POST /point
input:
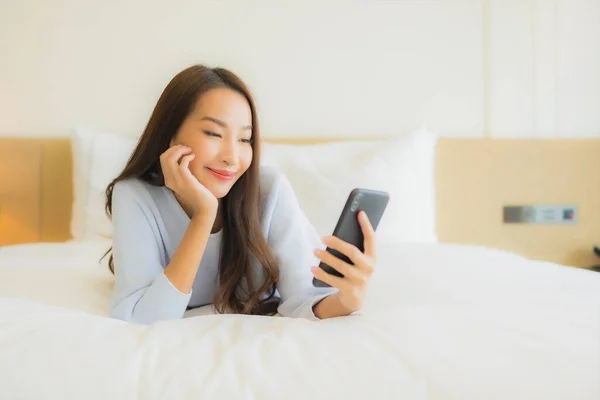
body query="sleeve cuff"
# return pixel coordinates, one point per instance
(169, 302)
(169, 283)
(304, 310)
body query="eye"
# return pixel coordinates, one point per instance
(209, 133)
(246, 140)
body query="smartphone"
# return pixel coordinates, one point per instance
(373, 203)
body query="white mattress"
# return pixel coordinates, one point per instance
(440, 322)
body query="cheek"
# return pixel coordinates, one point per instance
(246, 159)
(195, 166)
(205, 150)
(202, 154)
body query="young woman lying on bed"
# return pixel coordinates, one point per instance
(197, 220)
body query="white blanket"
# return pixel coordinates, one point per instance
(440, 322)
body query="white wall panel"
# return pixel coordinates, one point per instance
(578, 68)
(511, 63)
(505, 68)
(334, 68)
(544, 68)
(545, 63)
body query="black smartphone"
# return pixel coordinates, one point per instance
(373, 203)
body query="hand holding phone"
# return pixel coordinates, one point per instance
(349, 250)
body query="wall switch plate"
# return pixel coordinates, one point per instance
(541, 214)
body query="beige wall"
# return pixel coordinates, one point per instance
(477, 178)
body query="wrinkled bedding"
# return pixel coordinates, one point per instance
(441, 321)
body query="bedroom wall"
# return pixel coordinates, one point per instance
(334, 68)
(501, 68)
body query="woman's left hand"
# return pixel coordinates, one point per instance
(353, 286)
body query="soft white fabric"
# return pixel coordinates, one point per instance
(442, 322)
(68, 275)
(98, 157)
(323, 175)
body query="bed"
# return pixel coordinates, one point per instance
(441, 321)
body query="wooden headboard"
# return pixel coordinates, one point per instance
(475, 178)
(35, 190)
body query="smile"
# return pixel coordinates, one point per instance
(222, 175)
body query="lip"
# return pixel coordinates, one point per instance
(222, 174)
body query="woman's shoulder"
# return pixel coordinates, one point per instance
(129, 187)
(135, 189)
(272, 181)
(276, 191)
(268, 175)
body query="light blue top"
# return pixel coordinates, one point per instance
(149, 224)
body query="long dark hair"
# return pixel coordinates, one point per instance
(243, 243)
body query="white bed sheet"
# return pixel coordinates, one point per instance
(441, 322)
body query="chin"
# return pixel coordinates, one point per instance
(220, 194)
(219, 191)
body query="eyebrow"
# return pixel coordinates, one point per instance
(223, 124)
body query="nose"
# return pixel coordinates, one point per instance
(229, 151)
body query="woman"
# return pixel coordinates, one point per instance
(197, 220)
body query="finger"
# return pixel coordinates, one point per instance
(184, 171)
(173, 162)
(167, 153)
(173, 155)
(185, 161)
(347, 249)
(331, 280)
(349, 271)
(169, 161)
(368, 233)
(175, 158)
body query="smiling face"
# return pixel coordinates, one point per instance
(219, 132)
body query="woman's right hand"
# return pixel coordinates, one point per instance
(178, 177)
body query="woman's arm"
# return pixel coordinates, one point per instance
(299, 251)
(293, 239)
(145, 291)
(183, 267)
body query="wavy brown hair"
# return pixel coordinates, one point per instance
(243, 243)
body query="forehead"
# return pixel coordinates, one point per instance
(223, 103)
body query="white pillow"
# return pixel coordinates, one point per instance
(323, 175)
(98, 158)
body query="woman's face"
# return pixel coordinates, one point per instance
(219, 132)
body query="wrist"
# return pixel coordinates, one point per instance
(341, 305)
(204, 217)
(331, 306)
